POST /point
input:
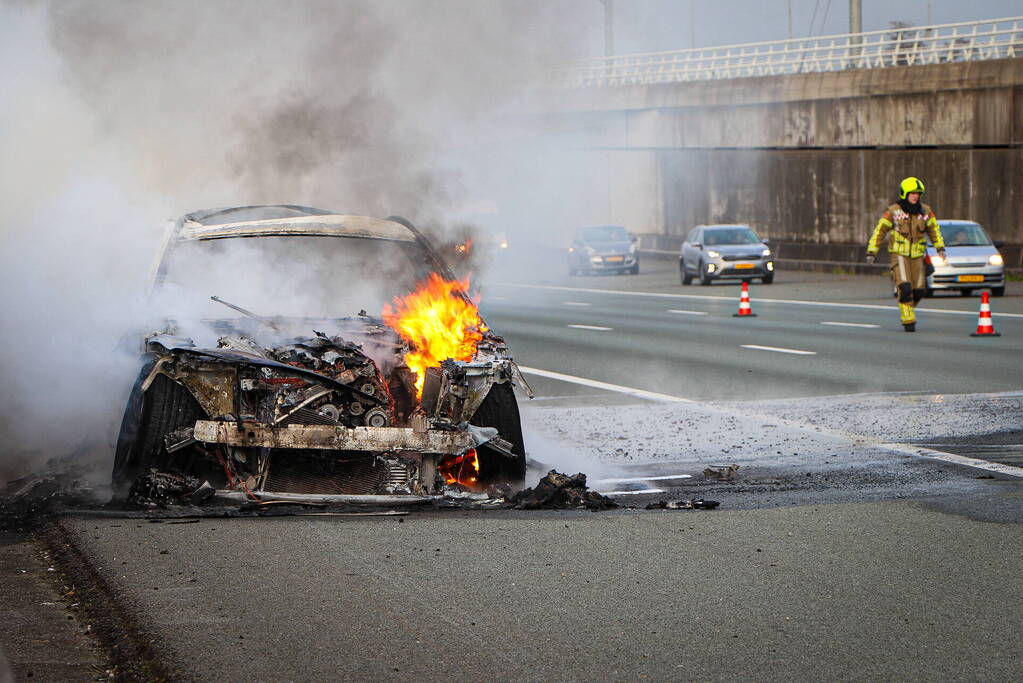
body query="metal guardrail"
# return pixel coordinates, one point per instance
(897, 46)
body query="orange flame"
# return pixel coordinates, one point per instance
(438, 322)
(462, 469)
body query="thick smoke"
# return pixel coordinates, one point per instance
(118, 116)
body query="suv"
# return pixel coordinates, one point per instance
(971, 260)
(298, 400)
(718, 252)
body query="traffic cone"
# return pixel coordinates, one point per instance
(744, 307)
(985, 328)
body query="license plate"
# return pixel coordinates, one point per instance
(970, 278)
(614, 259)
(743, 266)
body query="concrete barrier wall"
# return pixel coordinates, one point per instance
(815, 157)
(836, 196)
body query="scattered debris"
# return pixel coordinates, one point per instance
(561, 491)
(724, 473)
(696, 504)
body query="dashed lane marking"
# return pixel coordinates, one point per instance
(631, 493)
(683, 312)
(625, 480)
(630, 391)
(708, 297)
(837, 324)
(929, 454)
(776, 349)
(598, 328)
(576, 303)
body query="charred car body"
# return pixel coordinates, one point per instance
(314, 407)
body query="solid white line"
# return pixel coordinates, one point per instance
(976, 463)
(622, 480)
(796, 352)
(638, 393)
(631, 493)
(591, 327)
(706, 297)
(676, 310)
(576, 303)
(850, 324)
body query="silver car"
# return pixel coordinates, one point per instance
(719, 252)
(971, 260)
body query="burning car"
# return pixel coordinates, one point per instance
(297, 401)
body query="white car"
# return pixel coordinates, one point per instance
(971, 260)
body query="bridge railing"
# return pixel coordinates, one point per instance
(897, 46)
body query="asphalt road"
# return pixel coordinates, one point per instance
(824, 334)
(840, 550)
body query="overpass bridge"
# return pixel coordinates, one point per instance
(807, 139)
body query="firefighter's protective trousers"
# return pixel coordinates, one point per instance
(906, 239)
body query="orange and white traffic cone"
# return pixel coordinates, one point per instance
(985, 328)
(744, 307)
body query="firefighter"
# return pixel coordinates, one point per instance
(906, 223)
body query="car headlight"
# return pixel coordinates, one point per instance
(713, 254)
(937, 260)
(504, 244)
(996, 260)
(765, 252)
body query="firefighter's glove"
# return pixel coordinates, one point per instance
(870, 259)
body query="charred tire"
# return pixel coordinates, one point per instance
(768, 279)
(166, 406)
(500, 409)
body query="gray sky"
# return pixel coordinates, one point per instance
(654, 25)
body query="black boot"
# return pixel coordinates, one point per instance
(909, 327)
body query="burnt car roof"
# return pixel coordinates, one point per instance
(289, 220)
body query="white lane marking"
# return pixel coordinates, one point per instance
(623, 480)
(631, 493)
(776, 349)
(576, 303)
(682, 312)
(868, 325)
(638, 393)
(591, 327)
(927, 453)
(728, 299)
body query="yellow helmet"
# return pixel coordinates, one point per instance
(908, 185)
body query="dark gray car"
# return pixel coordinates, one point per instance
(603, 249)
(719, 252)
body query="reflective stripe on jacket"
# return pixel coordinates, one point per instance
(906, 233)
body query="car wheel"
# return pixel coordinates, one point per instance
(705, 278)
(768, 279)
(634, 270)
(166, 406)
(687, 279)
(500, 409)
(998, 291)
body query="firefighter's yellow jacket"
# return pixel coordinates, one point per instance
(906, 232)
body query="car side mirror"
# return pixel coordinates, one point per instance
(999, 244)
(766, 241)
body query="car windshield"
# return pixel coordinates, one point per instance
(604, 233)
(964, 235)
(291, 276)
(723, 236)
